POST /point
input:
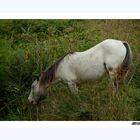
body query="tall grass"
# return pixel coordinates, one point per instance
(27, 47)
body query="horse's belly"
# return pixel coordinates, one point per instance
(91, 74)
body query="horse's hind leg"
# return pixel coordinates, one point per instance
(116, 86)
(114, 80)
(113, 77)
(73, 88)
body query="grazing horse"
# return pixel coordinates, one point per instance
(111, 56)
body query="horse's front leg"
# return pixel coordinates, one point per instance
(73, 88)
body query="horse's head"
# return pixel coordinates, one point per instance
(36, 92)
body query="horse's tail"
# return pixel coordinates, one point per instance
(128, 57)
(127, 60)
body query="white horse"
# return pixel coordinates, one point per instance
(111, 56)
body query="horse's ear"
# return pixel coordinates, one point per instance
(37, 78)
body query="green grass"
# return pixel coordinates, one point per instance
(27, 47)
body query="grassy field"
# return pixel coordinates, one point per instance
(27, 47)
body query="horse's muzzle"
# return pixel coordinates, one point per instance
(32, 101)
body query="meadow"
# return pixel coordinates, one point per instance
(27, 47)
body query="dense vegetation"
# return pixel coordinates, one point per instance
(29, 46)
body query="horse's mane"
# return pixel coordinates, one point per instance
(49, 74)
